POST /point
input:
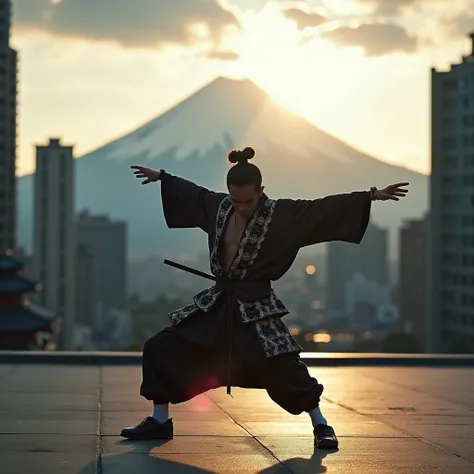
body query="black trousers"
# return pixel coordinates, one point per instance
(183, 361)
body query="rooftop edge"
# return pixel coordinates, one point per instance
(319, 359)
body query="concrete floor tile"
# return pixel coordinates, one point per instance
(49, 422)
(47, 443)
(212, 445)
(13, 400)
(463, 447)
(51, 463)
(432, 426)
(360, 428)
(195, 464)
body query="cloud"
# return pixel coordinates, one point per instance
(376, 39)
(461, 22)
(393, 6)
(304, 19)
(223, 55)
(130, 23)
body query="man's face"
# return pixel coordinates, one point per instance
(245, 199)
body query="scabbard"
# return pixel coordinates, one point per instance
(189, 270)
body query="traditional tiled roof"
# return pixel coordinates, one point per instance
(11, 283)
(25, 319)
(9, 263)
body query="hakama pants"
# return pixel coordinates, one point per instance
(185, 360)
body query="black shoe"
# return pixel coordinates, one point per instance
(149, 428)
(325, 437)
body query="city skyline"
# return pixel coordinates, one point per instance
(69, 67)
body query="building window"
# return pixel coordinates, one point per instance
(449, 143)
(449, 103)
(451, 161)
(450, 85)
(468, 161)
(468, 121)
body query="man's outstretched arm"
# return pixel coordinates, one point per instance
(342, 217)
(185, 204)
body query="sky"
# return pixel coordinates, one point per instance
(92, 70)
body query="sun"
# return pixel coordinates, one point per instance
(303, 75)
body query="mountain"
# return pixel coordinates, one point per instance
(192, 140)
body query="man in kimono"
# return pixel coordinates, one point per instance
(232, 333)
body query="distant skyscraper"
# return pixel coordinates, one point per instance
(54, 238)
(8, 104)
(107, 240)
(86, 286)
(413, 279)
(451, 304)
(369, 258)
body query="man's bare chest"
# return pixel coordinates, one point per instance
(233, 233)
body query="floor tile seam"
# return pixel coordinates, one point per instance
(99, 446)
(8, 372)
(42, 433)
(369, 416)
(423, 440)
(272, 454)
(449, 451)
(399, 385)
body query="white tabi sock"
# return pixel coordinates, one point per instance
(161, 412)
(317, 418)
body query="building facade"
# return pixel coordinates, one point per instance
(413, 279)
(54, 238)
(451, 302)
(86, 287)
(344, 260)
(8, 110)
(107, 241)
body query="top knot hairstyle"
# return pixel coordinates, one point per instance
(243, 173)
(241, 156)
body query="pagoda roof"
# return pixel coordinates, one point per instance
(28, 318)
(8, 263)
(11, 283)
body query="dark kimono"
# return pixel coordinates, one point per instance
(269, 245)
(241, 310)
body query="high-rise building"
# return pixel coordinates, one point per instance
(86, 287)
(451, 304)
(413, 279)
(8, 106)
(369, 258)
(54, 239)
(107, 241)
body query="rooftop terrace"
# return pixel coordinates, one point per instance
(63, 416)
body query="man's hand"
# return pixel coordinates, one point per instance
(151, 175)
(392, 192)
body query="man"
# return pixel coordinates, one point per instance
(232, 334)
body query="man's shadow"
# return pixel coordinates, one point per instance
(140, 459)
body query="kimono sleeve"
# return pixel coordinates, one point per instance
(186, 204)
(342, 217)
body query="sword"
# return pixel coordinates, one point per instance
(190, 270)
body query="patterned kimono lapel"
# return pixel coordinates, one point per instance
(251, 241)
(223, 214)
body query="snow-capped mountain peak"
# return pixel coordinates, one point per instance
(227, 114)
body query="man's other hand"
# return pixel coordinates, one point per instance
(151, 175)
(392, 192)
